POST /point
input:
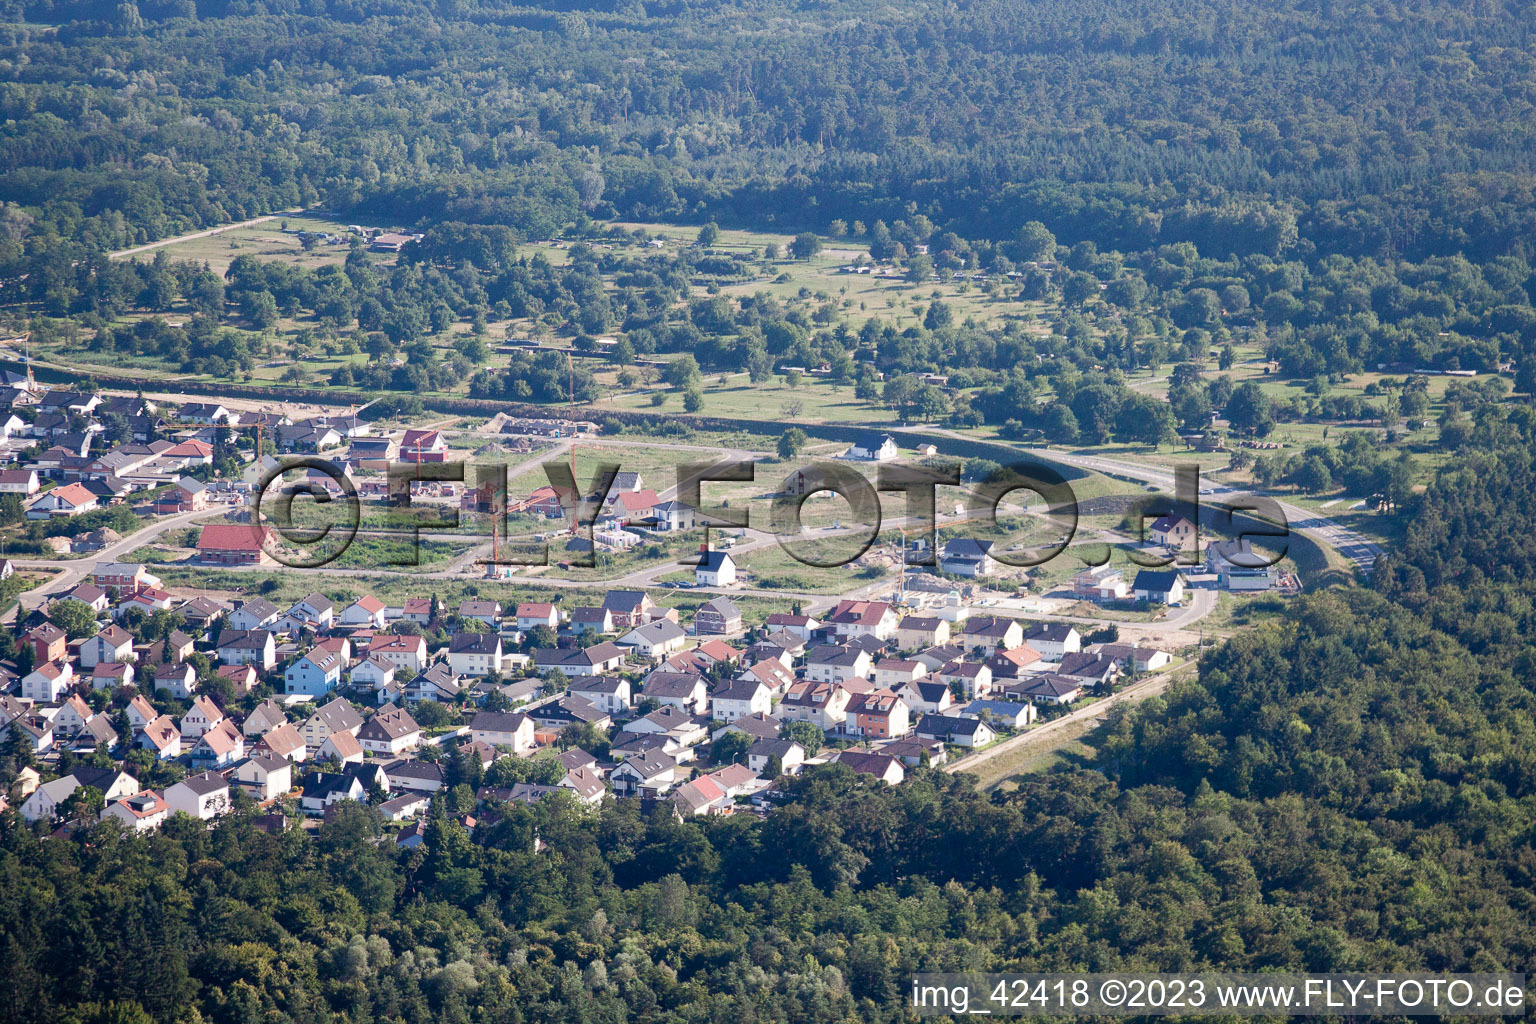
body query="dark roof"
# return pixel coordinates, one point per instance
(1158, 580)
(475, 643)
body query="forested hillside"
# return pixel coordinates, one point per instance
(1351, 127)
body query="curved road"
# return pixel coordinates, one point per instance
(1326, 531)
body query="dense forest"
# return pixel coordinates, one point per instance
(1348, 127)
(1347, 184)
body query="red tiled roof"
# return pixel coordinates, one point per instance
(232, 537)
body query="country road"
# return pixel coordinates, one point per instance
(189, 237)
(1044, 735)
(1321, 528)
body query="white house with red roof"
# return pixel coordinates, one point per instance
(70, 500)
(365, 611)
(532, 614)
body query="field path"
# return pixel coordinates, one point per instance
(196, 234)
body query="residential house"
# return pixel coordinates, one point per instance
(1175, 533)
(486, 612)
(44, 802)
(109, 675)
(568, 710)
(112, 644)
(1008, 714)
(677, 689)
(964, 556)
(19, 481)
(931, 697)
(241, 677)
(69, 500)
(511, 730)
(840, 664)
(699, 796)
(886, 768)
(254, 647)
(416, 776)
(408, 653)
(599, 659)
(340, 748)
(314, 674)
(893, 673)
(915, 750)
(880, 714)
(203, 715)
(48, 642)
(918, 631)
(740, 698)
(672, 516)
(72, 716)
(1013, 662)
(140, 712)
(715, 569)
(122, 579)
(1103, 584)
(596, 620)
(147, 601)
(1053, 639)
(607, 693)
(186, 494)
(204, 796)
(220, 746)
(315, 612)
(141, 812)
(532, 614)
(423, 446)
(863, 618)
(283, 741)
(1052, 689)
(655, 640)
(761, 754)
(475, 654)
(955, 730)
(267, 715)
(406, 805)
(366, 611)
(323, 789)
(372, 672)
(437, 682)
(801, 626)
(233, 544)
(652, 771)
(717, 616)
(823, 704)
(206, 414)
(257, 613)
(990, 631)
(974, 679)
(161, 738)
(629, 608)
(873, 447)
(391, 731)
(1237, 566)
(48, 682)
(1094, 669)
(417, 610)
(336, 716)
(266, 777)
(1159, 586)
